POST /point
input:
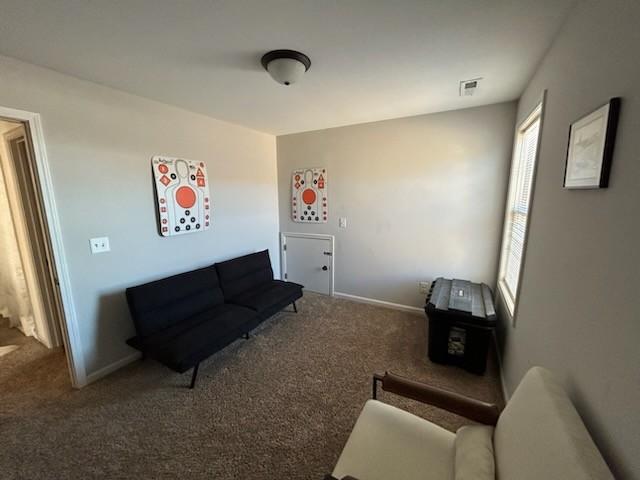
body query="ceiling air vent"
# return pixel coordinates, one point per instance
(469, 87)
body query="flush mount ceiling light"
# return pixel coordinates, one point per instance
(285, 66)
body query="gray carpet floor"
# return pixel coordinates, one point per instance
(279, 405)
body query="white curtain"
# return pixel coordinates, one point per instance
(14, 295)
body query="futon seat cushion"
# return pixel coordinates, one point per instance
(390, 444)
(194, 339)
(263, 297)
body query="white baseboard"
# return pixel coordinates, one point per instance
(380, 303)
(112, 367)
(503, 384)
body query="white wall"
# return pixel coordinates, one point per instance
(99, 143)
(423, 197)
(579, 312)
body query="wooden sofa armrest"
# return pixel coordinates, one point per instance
(468, 407)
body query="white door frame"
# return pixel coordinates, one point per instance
(69, 324)
(283, 252)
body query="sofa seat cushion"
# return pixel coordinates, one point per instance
(540, 435)
(389, 443)
(185, 344)
(274, 292)
(474, 453)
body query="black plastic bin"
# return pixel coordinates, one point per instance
(462, 318)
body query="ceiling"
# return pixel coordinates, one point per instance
(371, 59)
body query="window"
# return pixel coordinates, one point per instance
(518, 206)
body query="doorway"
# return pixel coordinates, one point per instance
(307, 259)
(16, 310)
(32, 314)
(27, 296)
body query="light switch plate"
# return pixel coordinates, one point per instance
(342, 222)
(99, 245)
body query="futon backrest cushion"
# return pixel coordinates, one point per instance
(540, 435)
(158, 305)
(243, 274)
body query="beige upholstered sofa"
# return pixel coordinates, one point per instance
(538, 436)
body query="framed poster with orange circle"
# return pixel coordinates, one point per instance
(309, 199)
(182, 193)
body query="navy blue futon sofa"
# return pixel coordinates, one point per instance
(184, 319)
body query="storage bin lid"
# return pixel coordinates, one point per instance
(470, 301)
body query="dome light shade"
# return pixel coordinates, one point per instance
(286, 66)
(285, 70)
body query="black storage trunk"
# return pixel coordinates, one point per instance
(462, 318)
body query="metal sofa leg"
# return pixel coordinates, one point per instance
(193, 377)
(376, 378)
(295, 309)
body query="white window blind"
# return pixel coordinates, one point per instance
(520, 188)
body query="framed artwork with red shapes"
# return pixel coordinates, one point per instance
(309, 202)
(182, 194)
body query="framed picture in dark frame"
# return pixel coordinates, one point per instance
(590, 150)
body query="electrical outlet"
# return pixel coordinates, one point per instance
(342, 222)
(424, 287)
(99, 245)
